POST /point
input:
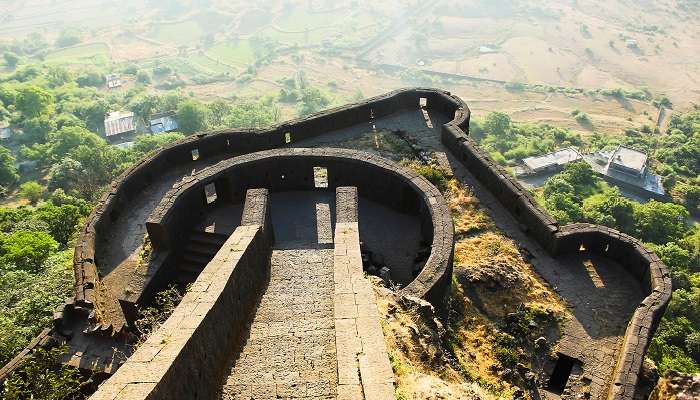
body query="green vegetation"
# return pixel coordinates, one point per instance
(582, 118)
(239, 53)
(436, 175)
(642, 94)
(152, 317)
(88, 54)
(29, 296)
(507, 142)
(44, 379)
(577, 195)
(67, 164)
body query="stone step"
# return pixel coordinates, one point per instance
(190, 267)
(209, 249)
(197, 258)
(208, 238)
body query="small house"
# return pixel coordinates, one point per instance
(120, 125)
(163, 123)
(628, 161)
(113, 81)
(5, 130)
(551, 162)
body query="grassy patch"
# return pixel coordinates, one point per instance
(300, 20)
(436, 175)
(208, 66)
(238, 53)
(467, 216)
(90, 54)
(181, 33)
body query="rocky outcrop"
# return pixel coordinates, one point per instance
(676, 386)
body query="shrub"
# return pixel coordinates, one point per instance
(27, 249)
(437, 176)
(42, 377)
(31, 191)
(152, 317)
(515, 86)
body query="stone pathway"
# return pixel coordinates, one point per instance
(291, 350)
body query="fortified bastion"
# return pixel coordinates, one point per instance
(269, 231)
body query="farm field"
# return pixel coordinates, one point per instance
(89, 54)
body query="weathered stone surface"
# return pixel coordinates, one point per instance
(363, 362)
(185, 356)
(116, 213)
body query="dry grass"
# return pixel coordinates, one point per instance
(466, 213)
(417, 357)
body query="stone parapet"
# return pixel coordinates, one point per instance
(364, 370)
(186, 356)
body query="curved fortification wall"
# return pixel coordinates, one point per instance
(535, 221)
(293, 169)
(557, 240)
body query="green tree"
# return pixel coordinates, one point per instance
(62, 220)
(27, 250)
(33, 101)
(90, 79)
(660, 223)
(191, 116)
(691, 197)
(498, 124)
(43, 377)
(564, 208)
(32, 191)
(87, 168)
(692, 345)
(581, 177)
(66, 139)
(611, 209)
(145, 105)
(68, 38)
(312, 100)
(58, 76)
(36, 130)
(143, 77)
(11, 59)
(252, 115)
(147, 143)
(8, 170)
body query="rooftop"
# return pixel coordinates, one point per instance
(118, 122)
(165, 123)
(557, 158)
(629, 158)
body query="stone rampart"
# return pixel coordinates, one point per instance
(627, 251)
(293, 169)
(431, 283)
(227, 143)
(186, 356)
(364, 369)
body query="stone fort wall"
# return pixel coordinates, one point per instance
(556, 239)
(293, 169)
(186, 357)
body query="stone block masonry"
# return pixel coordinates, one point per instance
(364, 370)
(184, 358)
(112, 214)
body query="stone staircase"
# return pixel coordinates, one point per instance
(198, 252)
